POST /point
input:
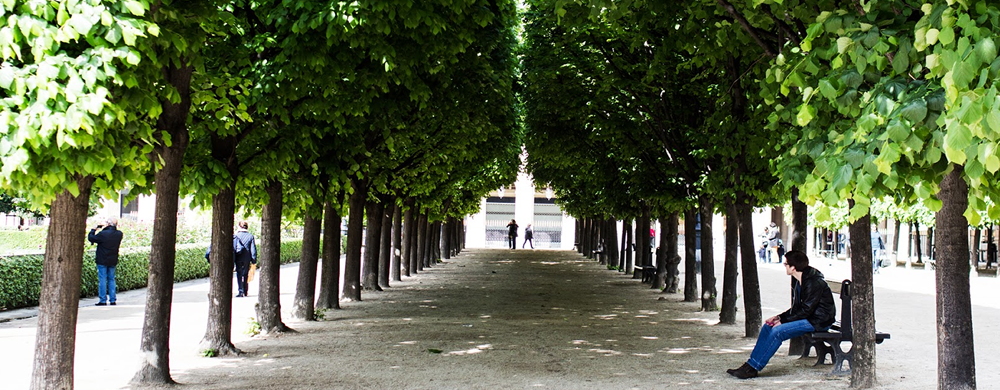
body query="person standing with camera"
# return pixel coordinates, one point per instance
(108, 240)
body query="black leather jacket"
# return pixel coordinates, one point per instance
(812, 300)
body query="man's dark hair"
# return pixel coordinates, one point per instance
(797, 259)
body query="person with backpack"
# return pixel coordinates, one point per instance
(244, 256)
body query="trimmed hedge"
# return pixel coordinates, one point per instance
(21, 276)
(27, 240)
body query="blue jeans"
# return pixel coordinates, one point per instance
(770, 339)
(106, 283)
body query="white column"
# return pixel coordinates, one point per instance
(475, 228)
(568, 232)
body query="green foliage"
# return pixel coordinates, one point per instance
(319, 314)
(64, 63)
(20, 276)
(18, 206)
(210, 352)
(253, 327)
(900, 95)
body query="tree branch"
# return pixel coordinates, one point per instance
(747, 27)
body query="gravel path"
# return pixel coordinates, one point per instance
(501, 319)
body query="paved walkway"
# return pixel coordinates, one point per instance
(536, 287)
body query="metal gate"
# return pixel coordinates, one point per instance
(499, 212)
(547, 224)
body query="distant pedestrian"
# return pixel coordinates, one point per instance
(512, 234)
(244, 256)
(877, 248)
(529, 235)
(772, 241)
(108, 241)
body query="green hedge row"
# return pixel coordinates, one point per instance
(13, 240)
(21, 276)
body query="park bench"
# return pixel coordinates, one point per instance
(829, 342)
(648, 273)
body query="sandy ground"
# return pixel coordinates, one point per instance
(501, 319)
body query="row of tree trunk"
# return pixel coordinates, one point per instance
(601, 233)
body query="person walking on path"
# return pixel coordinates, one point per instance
(528, 237)
(108, 241)
(772, 241)
(877, 248)
(512, 234)
(812, 310)
(244, 254)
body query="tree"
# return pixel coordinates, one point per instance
(176, 53)
(69, 132)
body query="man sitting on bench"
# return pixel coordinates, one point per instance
(812, 310)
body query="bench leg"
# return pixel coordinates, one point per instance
(839, 358)
(822, 351)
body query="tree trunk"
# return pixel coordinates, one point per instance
(895, 239)
(415, 260)
(422, 242)
(446, 239)
(599, 239)
(930, 242)
(977, 237)
(836, 243)
(642, 243)
(154, 368)
(751, 283)
(659, 281)
(406, 238)
(269, 307)
(916, 242)
(862, 304)
(355, 228)
(55, 340)
(671, 235)
(629, 247)
(708, 289)
(435, 242)
(373, 237)
(611, 243)
(305, 286)
(385, 250)
(730, 271)
(461, 234)
(329, 280)
(690, 261)
(415, 245)
(800, 224)
(800, 215)
(218, 334)
(397, 239)
(956, 352)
